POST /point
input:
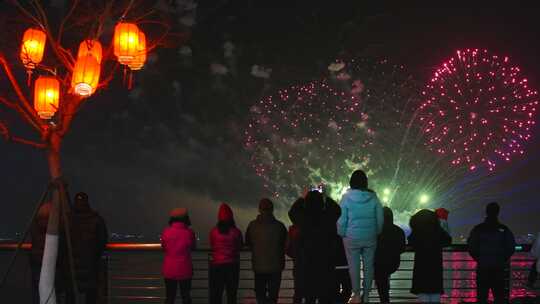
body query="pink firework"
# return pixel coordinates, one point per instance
(478, 110)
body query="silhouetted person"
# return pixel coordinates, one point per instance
(535, 253)
(427, 239)
(89, 238)
(360, 222)
(291, 249)
(266, 236)
(316, 218)
(178, 241)
(390, 245)
(225, 243)
(491, 245)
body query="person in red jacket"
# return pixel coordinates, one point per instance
(177, 241)
(225, 243)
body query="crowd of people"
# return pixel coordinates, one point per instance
(337, 250)
(330, 244)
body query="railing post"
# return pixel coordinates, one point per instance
(507, 281)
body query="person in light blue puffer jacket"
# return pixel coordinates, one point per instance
(361, 221)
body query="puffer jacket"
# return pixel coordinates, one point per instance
(177, 241)
(89, 239)
(225, 247)
(491, 244)
(361, 216)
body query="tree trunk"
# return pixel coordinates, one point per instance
(47, 293)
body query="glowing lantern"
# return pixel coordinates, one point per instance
(46, 96)
(85, 77)
(140, 58)
(90, 47)
(32, 48)
(126, 42)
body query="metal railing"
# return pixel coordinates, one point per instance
(133, 275)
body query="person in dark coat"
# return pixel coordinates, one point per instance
(88, 238)
(427, 239)
(491, 245)
(266, 236)
(316, 255)
(291, 249)
(390, 245)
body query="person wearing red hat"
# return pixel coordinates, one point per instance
(225, 243)
(442, 214)
(177, 241)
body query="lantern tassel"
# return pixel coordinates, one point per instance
(124, 76)
(130, 80)
(29, 77)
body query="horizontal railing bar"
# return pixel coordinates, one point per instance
(8, 246)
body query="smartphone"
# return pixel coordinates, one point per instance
(317, 188)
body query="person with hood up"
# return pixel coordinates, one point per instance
(360, 223)
(89, 239)
(316, 218)
(390, 245)
(491, 245)
(427, 240)
(225, 243)
(177, 241)
(266, 236)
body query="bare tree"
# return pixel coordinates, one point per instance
(82, 20)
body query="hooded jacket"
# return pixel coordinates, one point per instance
(491, 244)
(225, 245)
(361, 216)
(390, 245)
(177, 241)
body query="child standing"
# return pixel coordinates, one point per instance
(390, 245)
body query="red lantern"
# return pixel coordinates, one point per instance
(140, 58)
(90, 47)
(85, 76)
(46, 96)
(32, 47)
(126, 42)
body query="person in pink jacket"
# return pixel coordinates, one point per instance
(225, 243)
(177, 241)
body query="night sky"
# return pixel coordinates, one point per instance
(175, 139)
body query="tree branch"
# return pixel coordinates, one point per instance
(68, 112)
(23, 141)
(27, 13)
(68, 64)
(23, 106)
(66, 18)
(4, 132)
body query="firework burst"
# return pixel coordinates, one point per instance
(362, 116)
(478, 110)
